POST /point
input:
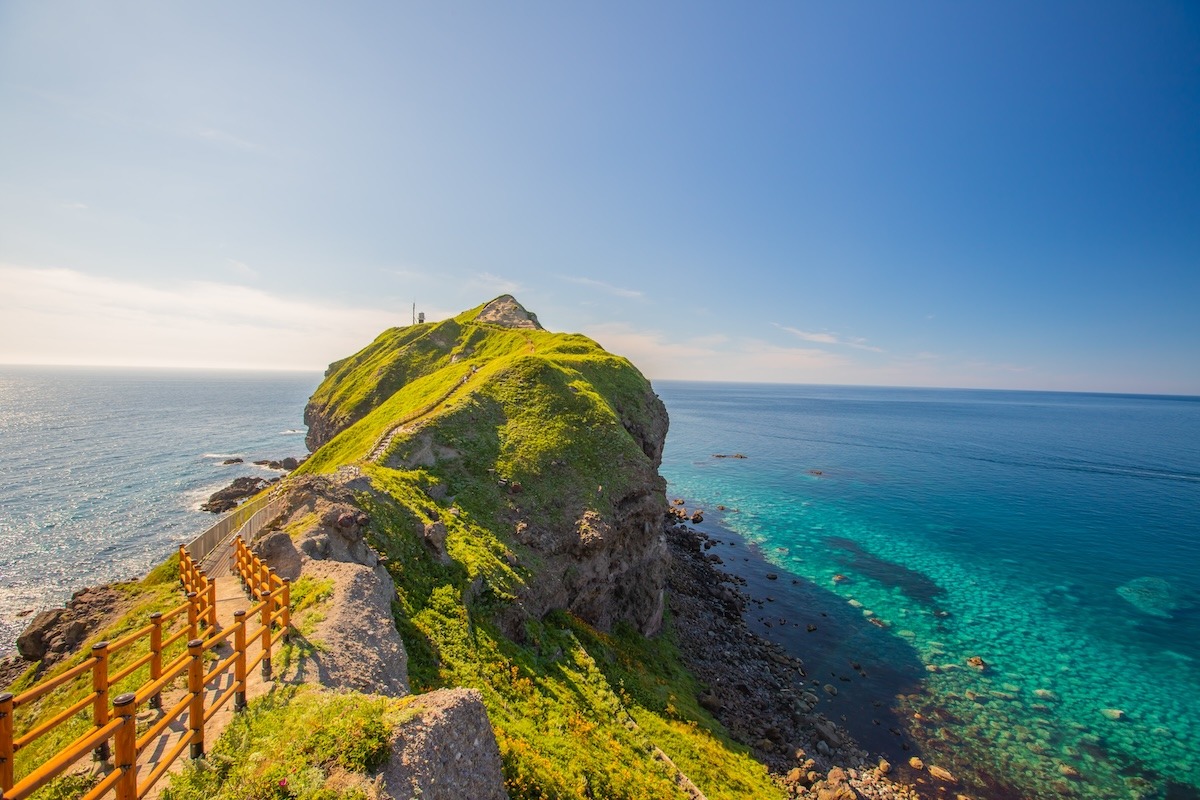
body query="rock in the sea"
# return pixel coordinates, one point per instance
(1153, 596)
(232, 461)
(941, 774)
(1113, 713)
(977, 662)
(916, 763)
(227, 498)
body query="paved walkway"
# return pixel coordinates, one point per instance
(230, 598)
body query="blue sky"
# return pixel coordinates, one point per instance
(939, 194)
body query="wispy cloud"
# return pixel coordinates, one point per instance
(825, 337)
(662, 355)
(495, 283)
(608, 288)
(241, 268)
(76, 318)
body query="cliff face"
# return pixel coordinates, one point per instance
(543, 441)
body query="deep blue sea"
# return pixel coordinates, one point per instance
(1055, 536)
(102, 471)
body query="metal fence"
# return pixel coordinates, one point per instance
(247, 519)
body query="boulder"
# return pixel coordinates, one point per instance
(447, 751)
(34, 642)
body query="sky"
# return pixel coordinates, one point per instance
(1001, 195)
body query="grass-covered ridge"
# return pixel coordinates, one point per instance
(485, 431)
(578, 713)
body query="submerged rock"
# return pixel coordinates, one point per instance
(1153, 596)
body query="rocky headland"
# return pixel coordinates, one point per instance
(481, 538)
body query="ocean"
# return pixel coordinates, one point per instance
(102, 470)
(1054, 536)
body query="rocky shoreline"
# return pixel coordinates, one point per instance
(762, 695)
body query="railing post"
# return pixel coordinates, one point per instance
(239, 665)
(266, 638)
(196, 706)
(286, 616)
(264, 577)
(185, 568)
(125, 706)
(100, 696)
(193, 627)
(212, 604)
(6, 742)
(156, 655)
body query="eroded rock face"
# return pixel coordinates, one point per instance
(354, 642)
(447, 751)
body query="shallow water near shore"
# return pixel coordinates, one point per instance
(1054, 536)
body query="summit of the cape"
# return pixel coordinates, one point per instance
(506, 312)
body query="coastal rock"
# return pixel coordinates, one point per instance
(836, 786)
(977, 662)
(940, 773)
(1113, 713)
(916, 763)
(229, 461)
(227, 499)
(54, 634)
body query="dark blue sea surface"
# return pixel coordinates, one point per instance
(102, 471)
(1056, 536)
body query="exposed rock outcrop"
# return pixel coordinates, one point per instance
(506, 312)
(447, 751)
(354, 642)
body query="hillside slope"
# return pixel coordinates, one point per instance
(509, 475)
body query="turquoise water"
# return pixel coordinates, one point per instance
(1055, 536)
(102, 471)
(993, 524)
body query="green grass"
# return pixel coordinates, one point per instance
(158, 591)
(290, 743)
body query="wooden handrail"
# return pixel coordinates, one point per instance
(113, 730)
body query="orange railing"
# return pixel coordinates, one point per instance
(116, 729)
